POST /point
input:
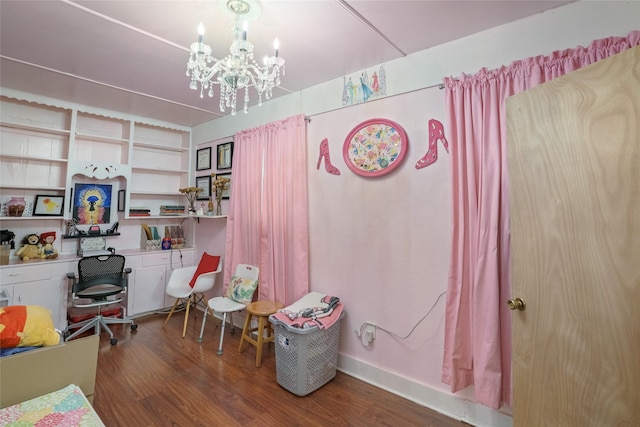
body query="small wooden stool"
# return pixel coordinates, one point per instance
(262, 310)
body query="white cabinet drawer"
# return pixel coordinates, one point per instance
(160, 258)
(25, 273)
(174, 258)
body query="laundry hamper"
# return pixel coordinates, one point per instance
(306, 358)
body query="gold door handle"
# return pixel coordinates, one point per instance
(517, 304)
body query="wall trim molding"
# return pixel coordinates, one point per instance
(445, 403)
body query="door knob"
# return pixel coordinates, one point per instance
(517, 304)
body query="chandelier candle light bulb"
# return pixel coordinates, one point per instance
(200, 37)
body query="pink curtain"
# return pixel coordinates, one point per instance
(477, 348)
(267, 224)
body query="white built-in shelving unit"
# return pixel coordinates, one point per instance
(46, 149)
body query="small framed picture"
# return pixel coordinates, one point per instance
(227, 192)
(204, 182)
(46, 205)
(225, 155)
(203, 159)
(121, 195)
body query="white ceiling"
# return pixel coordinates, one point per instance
(131, 56)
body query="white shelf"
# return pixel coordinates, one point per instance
(157, 170)
(33, 128)
(31, 187)
(158, 193)
(32, 158)
(28, 218)
(209, 216)
(159, 146)
(178, 216)
(161, 217)
(101, 138)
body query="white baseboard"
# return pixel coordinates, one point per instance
(442, 402)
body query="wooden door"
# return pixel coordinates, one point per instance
(574, 165)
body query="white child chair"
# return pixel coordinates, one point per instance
(239, 293)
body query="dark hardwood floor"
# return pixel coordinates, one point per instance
(154, 377)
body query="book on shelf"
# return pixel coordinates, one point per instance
(172, 209)
(139, 211)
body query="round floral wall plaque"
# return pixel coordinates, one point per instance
(375, 147)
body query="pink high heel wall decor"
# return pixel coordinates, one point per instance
(436, 132)
(324, 153)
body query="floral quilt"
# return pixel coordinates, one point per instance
(67, 407)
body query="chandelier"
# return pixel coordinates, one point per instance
(236, 71)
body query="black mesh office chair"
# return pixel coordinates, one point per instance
(102, 280)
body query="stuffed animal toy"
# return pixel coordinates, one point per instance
(27, 326)
(46, 240)
(30, 248)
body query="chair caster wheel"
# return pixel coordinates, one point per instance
(114, 341)
(134, 327)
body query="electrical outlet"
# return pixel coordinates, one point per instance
(370, 333)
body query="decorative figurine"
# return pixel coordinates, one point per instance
(71, 227)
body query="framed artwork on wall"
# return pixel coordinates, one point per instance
(121, 195)
(375, 147)
(203, 159)
(204, 182)
(45, 205)
(92, 203)
(225, 155)
(227, 192)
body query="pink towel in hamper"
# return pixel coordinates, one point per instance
(314, 309)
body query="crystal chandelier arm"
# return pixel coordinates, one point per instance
(262, 77)
(208, 73)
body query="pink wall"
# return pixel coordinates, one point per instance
(382, 244)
